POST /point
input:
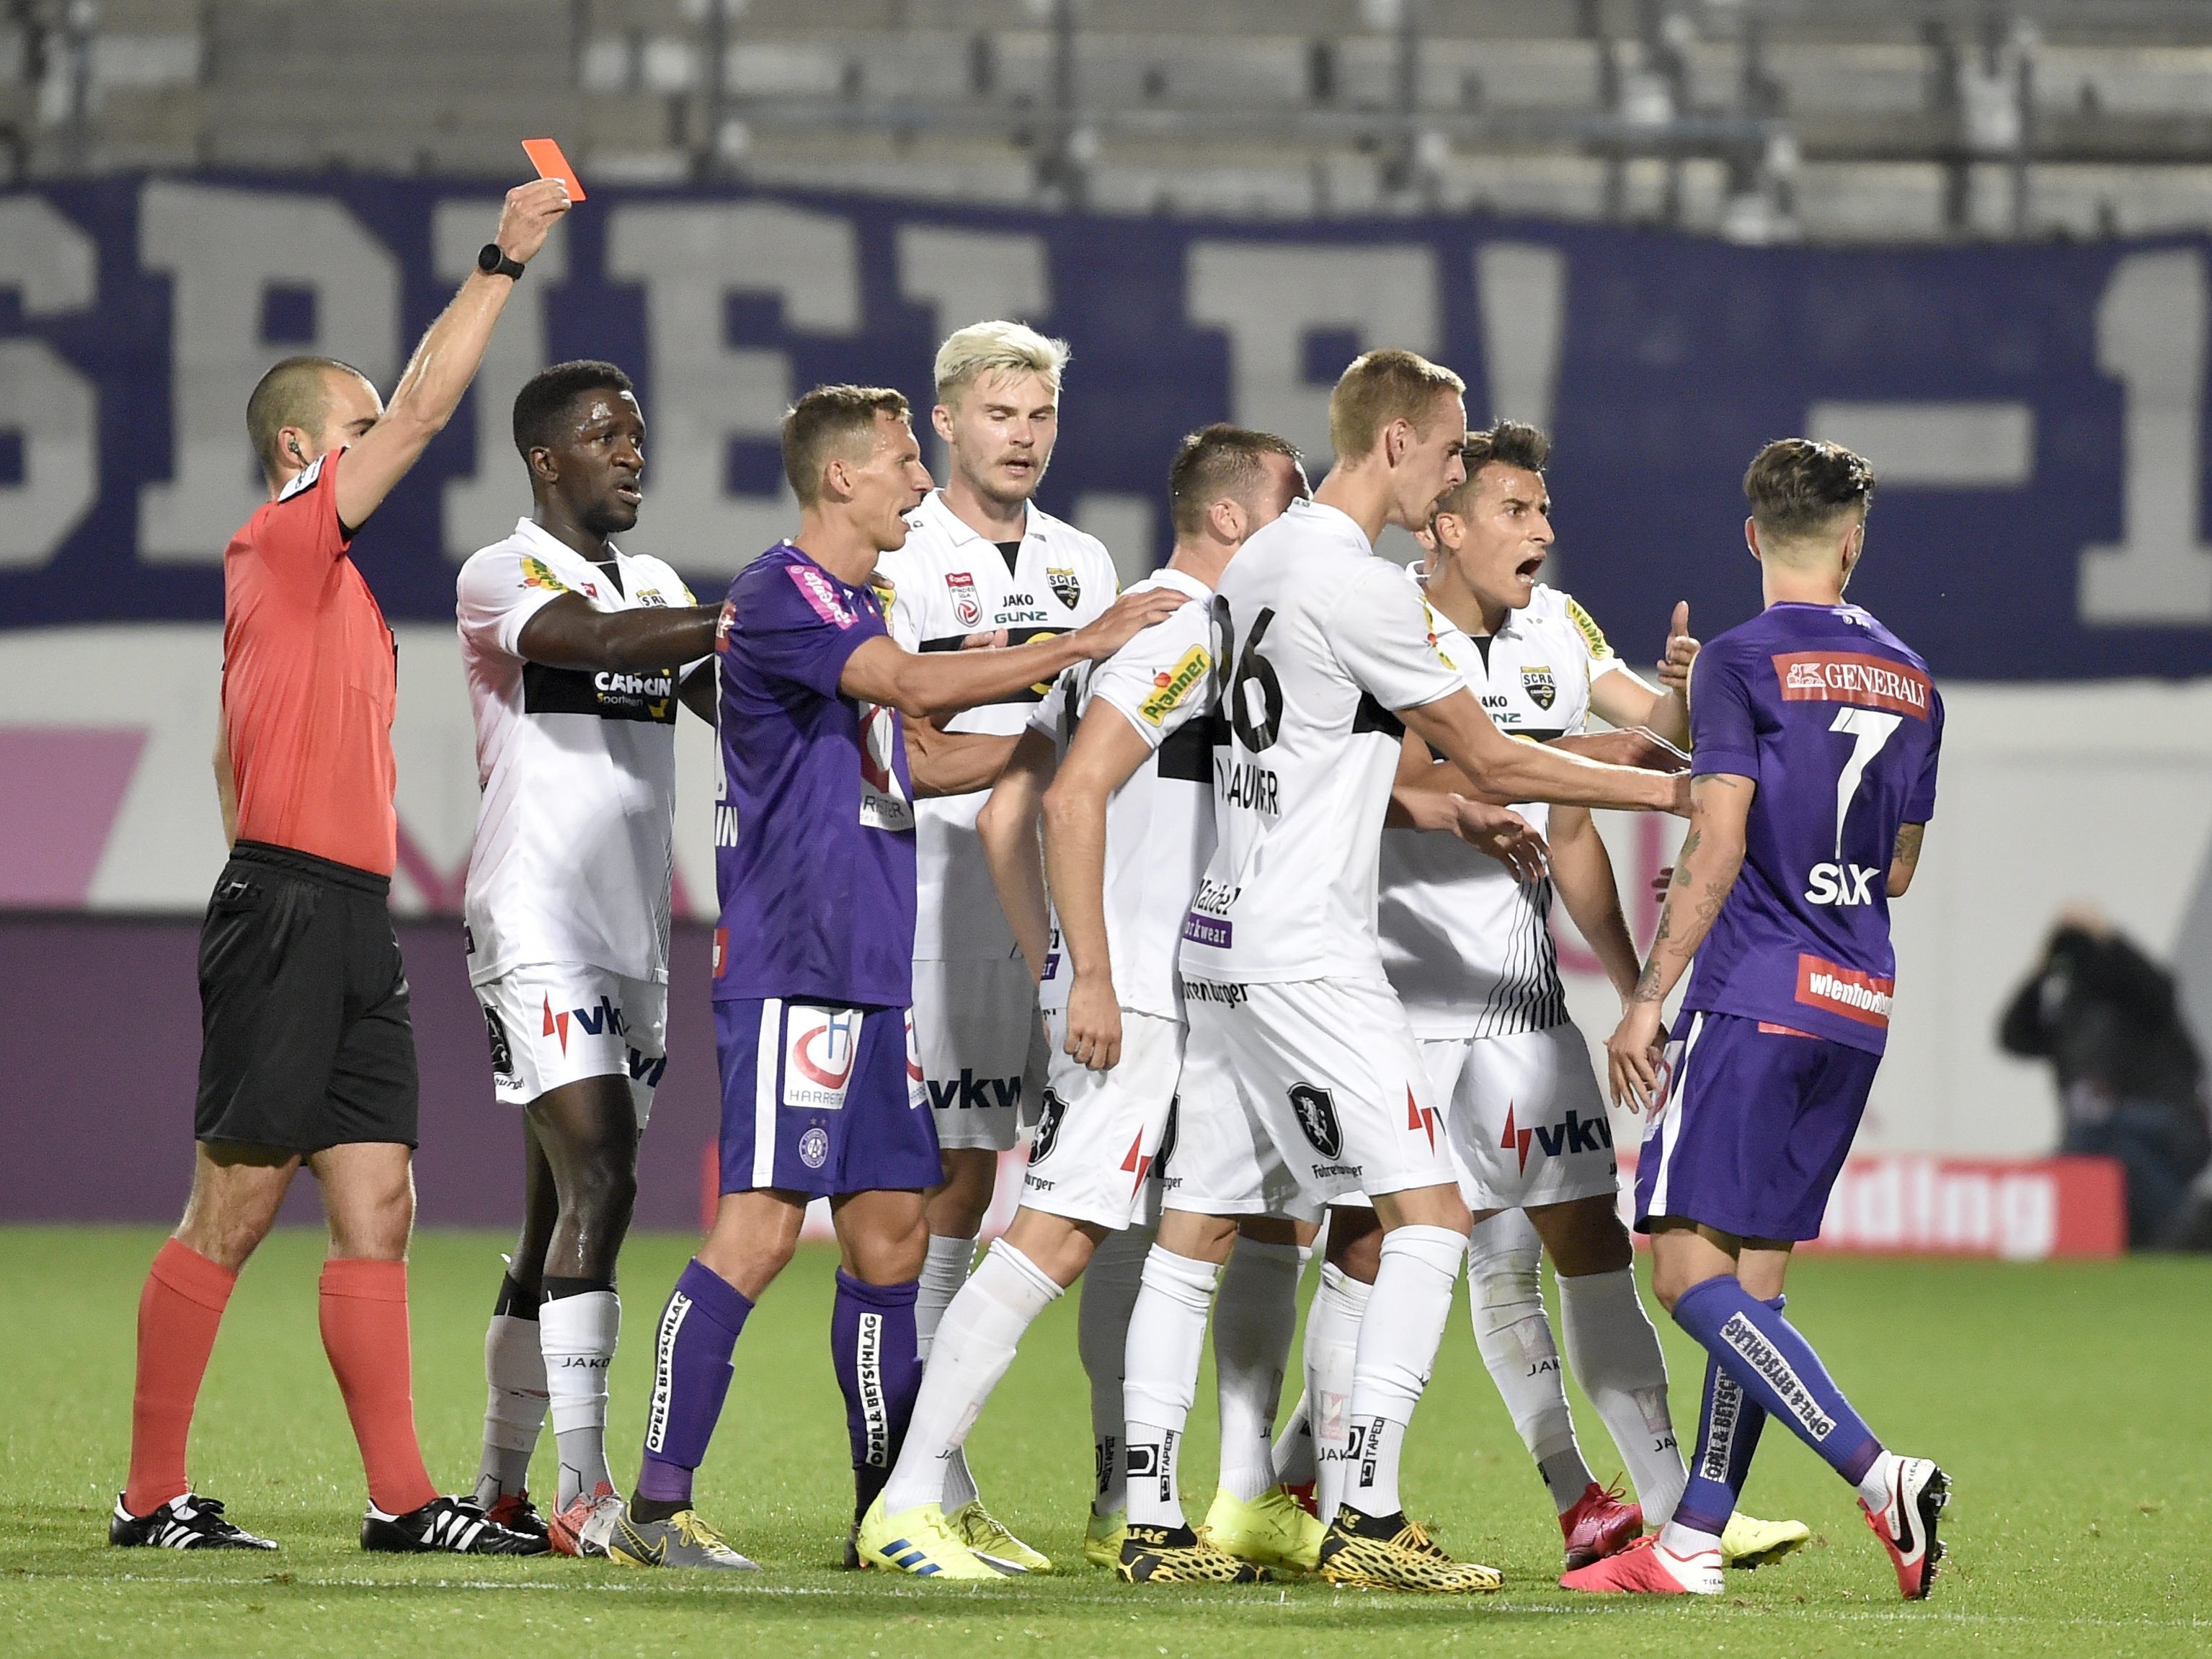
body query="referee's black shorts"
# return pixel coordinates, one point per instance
(304, 1041)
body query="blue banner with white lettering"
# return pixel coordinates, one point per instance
(2036, 414)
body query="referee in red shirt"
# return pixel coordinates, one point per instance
(306, 1054)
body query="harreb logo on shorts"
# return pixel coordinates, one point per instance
(1840, 990)
(1854, 676)
(1543, 690)
(1047, 1134)
(820, 1047)
(1317, 1111)
(967, 609)
(1748, 1340)
(1577, 1134)
(1421, 1120)
(604, 1019)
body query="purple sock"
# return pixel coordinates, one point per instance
(1728, 1434)
(1778, 1371)
(690, 1376)
(877, 1358)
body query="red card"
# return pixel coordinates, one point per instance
(545, 155)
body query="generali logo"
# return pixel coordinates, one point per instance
(1854, 676)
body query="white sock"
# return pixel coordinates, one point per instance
(1254, 1317)
(1505, 1303)
(974, 1344)
(577, 1335)
(1687, 1541)
(1398, 1339)
(1332, 1352)
(944, 1271)
(514, 1408)
(1101, 1337)
(1616, 1356)
(1167, 1333)
(1294, 1447)
(1878, 1484)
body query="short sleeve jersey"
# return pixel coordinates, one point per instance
(1327, 640)
(1837, 721)
(952, 589)
(575, 852)
(310, 682)
(814, 825)
(1468, 946)
(1159, 824)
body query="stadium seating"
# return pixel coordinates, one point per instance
(1840, 120)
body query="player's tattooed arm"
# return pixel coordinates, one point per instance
(1704, 873)
(1007, 826)
(1905, 857)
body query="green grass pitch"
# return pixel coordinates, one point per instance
(2067, 1402)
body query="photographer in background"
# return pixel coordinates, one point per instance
(2131, 1080)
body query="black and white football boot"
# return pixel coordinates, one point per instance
(186, 1522)
(452, 1524)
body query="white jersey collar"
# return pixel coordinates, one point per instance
(959, 532)
(553, 550)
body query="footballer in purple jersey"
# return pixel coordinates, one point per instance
(1814, 731)
(815, 865)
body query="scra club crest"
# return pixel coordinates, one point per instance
(967, 609)
(1543, 690)
(1064, 587)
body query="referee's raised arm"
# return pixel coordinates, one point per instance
(446, 362)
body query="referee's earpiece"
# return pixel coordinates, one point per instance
(293, 445)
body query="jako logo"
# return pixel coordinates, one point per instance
(1577, 1134)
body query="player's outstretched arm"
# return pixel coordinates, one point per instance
(1503, 769)
(1582, 871)
(571, 633)
(932, 684)
(446, 362)
(1426, 794)
(1704, 873)
(1625, 698)
(1905, 857)
(1106, 751)
(943, 762)
(1007, 825)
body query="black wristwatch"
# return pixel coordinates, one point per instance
(492, 260)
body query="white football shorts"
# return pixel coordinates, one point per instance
(1528, 1123)
(556, 1023)
(1098, 1133)
(1332, 1098)
(976, 1027)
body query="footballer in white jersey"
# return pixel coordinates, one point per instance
(1129, 823)
(576, 656)
(1325, 656)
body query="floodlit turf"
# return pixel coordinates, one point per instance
(2067, 1402)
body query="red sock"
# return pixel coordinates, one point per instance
(364, 1318)
(179, 1312)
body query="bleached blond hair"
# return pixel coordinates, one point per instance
(998, 347)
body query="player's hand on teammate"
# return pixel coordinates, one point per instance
(1631, 1056)
(1130, 615)
(1682, 651)
(528, 216)
(1503, 834)
(1094, 1023)
(1631, 745)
